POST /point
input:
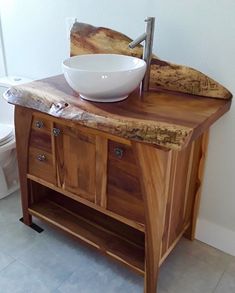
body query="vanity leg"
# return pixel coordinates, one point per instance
(190, 232)
(23, 119)
(154, 172)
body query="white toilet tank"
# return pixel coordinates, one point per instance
(8, 163)
(6, 110)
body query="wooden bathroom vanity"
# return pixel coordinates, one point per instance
(122, 177)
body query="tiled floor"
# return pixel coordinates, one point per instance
(52, 262)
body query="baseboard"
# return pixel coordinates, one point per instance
(216, 236)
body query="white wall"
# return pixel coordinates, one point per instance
(3, 70)
(197, 33)
(201, 34)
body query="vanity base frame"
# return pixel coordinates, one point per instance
(159, 187)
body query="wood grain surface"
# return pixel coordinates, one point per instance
(158, 117)
(123, 184)
(195, 186)
(130, 200)
(87, 39)
(153, 170)
(23, 120)
(76, 157)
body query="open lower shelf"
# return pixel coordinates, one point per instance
(86, 202)
(108, 241)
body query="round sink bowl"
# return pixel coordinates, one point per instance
(104, 77)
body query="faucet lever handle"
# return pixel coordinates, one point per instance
(149, 18)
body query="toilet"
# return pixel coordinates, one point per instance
(8, 162)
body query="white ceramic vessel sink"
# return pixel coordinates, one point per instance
(104, 77)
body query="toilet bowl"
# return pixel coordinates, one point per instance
(9, 181)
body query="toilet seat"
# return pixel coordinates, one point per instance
(6, 134)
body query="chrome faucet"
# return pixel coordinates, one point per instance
(148, 47)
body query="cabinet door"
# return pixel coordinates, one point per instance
(123, 186)
(75, 156)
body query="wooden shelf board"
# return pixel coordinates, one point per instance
(111, 214)
(109, 243)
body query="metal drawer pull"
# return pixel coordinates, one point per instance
(39, 124)
(118, 152)
(56, 131)
(41, 158)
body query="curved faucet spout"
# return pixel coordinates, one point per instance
(137, 41)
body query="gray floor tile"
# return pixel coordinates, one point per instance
(102, 277)
(131, 282)
(5, 260)
(16, 238)
(203, 252)
(10, 208)
(86, 262)
(184, 273)
(47, 262)
(226, 284)
(168, 276)
(67, 249)
(231, 267)
(17, 278)
(197, 277)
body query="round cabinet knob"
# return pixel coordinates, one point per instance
(39, 124)
(56, 131)
(118, 152)
(41, 158)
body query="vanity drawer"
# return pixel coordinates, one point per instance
(121, 153)
(124, 195)
(40, 123)
(40, 140)
(41, 165)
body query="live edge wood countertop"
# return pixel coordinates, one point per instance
(162, 118)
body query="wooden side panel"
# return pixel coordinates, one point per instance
(193, 180)
(170, 196)
(195, 184)
(76, 157)
(23, 119)
(184, 193)
(124, 196)
(176, 217)
(153, 167)
(179, 197)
